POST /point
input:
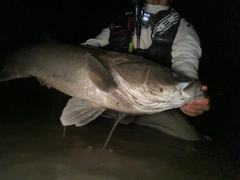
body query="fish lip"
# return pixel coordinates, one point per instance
(200, 94)
(193, 89)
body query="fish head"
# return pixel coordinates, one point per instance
(152, 88)
(171, 89)
(190, 88)
(193, 90)
(150, 82)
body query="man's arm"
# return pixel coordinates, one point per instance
(99, 41)
(186, 54)
(186, 50)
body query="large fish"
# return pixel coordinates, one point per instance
(100, 80)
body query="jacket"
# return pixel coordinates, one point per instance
(186, 47)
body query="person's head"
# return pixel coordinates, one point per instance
(159, 2)
(151, 7)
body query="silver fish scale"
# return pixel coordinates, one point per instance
(107, 80)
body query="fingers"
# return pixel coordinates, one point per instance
(203, 101)
(48, 86)
(191, 111)
(196, 108)
(204, 88)
(42, 83)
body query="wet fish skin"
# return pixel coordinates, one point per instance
(99, 80)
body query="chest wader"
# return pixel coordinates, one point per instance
(164, 29)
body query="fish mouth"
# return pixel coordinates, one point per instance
(193, 89)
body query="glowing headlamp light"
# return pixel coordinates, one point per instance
(147, 19)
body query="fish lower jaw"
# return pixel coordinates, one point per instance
(154, 107)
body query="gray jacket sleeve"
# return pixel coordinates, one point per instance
(100, 40)
(186, 51)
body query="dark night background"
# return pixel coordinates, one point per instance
(216, 22)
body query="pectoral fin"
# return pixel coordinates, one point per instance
(80, 112)
(99, 75)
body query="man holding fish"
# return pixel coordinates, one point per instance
(125, 86)
(171, 41)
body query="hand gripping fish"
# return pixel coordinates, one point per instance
(100, 80)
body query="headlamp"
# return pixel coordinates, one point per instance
(147, 19)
